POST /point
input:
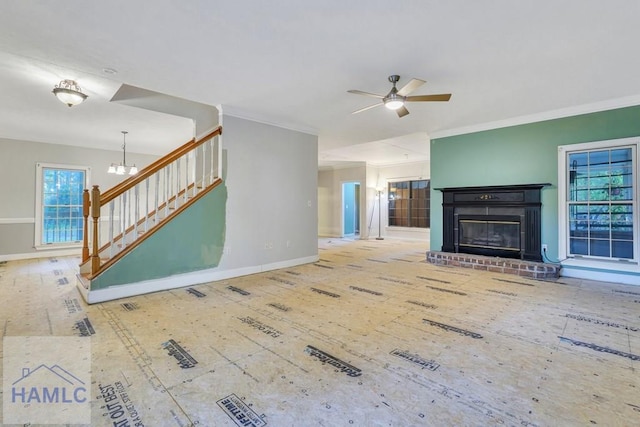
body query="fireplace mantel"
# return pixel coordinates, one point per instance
(522, 202)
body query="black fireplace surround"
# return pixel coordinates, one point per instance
(502, 221)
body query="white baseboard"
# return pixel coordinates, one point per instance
(601, 276)
(42, 254)
(183, 280)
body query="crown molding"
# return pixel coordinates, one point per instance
(611, 104)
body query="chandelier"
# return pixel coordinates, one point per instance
(121, 169)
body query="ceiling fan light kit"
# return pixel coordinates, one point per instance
(393, 103)
(396, 99)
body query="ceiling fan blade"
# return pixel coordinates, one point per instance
(367, 108)
(440, 97)
(359, 92)
(402, 111)
(410, 87)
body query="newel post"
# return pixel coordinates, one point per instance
(86, 203)
(95, 213)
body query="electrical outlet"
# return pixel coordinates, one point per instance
(544, 247)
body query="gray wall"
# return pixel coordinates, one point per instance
(330, 198)
(271, 179)
(18, 185)
(330, 182)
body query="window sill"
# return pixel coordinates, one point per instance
(54, 246)
(395, 227)
(623, 266)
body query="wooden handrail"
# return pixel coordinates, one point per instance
(132, 181)
(119, 255)
(92, 205)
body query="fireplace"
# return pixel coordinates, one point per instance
(502, 221)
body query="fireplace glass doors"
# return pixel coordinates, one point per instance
(501, 234)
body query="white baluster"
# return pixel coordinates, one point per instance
(193, 171)
(212, 145)
(130, 213)
(219, 154)
(166, 192)
(146, 202)
(125, 209)
(186, 174)
(136, 216)
(175, 172)
(112, 207)
(204, 166)
(157, 197)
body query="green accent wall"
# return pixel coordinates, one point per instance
(192, 241)
(522, 154)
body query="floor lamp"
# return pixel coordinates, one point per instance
(379, 190)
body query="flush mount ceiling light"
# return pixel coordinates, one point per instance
(121, 169)
(68, 92)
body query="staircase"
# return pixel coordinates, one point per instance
(121, 218)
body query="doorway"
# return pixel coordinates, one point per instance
(350, 208)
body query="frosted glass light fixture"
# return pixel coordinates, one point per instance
(393, 102)
(68, 92)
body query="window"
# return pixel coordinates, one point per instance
(409, 203)
(59, 219)
(601, 201)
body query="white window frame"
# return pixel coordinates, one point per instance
(40, 166)
(630, 265)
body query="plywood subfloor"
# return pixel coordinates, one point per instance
(371, 335)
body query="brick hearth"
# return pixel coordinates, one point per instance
(534, 270)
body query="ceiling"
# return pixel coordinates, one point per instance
(290, 63)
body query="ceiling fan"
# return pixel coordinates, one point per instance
(395, 99)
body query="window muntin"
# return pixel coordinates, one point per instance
(409, 203)
(600, 203)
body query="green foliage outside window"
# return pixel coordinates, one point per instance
(601, 191)
(62, 219)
